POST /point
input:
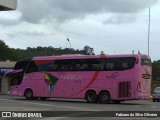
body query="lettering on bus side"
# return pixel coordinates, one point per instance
(113, 75)
(70, 77)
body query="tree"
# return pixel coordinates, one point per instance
(156, 70)
(6, 53)
(89, 50)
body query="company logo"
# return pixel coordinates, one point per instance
(50, 81)
(6, 114)
(21, 114)
(70, 77)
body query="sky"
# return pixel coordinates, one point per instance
(111, 26)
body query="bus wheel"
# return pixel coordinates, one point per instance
(104, 97)
(29, 94)
(91, 97)
(43, 98)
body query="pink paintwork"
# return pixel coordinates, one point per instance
(131, 84)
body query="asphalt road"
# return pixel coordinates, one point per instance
(69, 109)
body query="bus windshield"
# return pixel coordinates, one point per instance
(146, 61)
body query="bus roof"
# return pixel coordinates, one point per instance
(77, 56)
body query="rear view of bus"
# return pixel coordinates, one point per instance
(143, 85)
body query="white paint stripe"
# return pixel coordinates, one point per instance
(153, 106)
(76, 108)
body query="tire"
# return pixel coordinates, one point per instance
(29, 94)
(91, 97)
(43, 98)
(104, 97)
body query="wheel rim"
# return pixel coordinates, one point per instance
(29, 94)
(104, 97)
(91, 97)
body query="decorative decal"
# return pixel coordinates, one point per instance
(43, 64)
(146, 78)
(89, 84)
(146, 74)
(50, 81)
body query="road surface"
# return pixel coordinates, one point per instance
(64, 109)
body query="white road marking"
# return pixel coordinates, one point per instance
(153, 106)
(76, 108)
(54, 118)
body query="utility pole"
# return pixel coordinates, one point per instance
(149, 30)
(69, 44)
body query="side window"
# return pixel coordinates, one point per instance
(79, 64)
(124, 65)
(16, 79)
(63, 65)
(97, 64)
(115, 64)
(54, 67)
(22, 64)
(72, 65)
(82, 65)
(32, 67)
(128, 63)
(109, 66)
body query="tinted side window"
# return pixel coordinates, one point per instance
(22, 64)
(82, 65)
(62, 65)
(115, 64)
(32, 67)
(71, 65)
(16, 79)
(109, 64)
(97, 64)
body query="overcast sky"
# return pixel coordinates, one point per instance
(112, 26)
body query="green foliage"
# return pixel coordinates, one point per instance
(156, 70)
(155, 83)
(7, 53)
(89, 50)
(12, 54)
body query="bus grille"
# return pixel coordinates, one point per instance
(124, 89)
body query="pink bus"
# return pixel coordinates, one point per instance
(95, 78)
